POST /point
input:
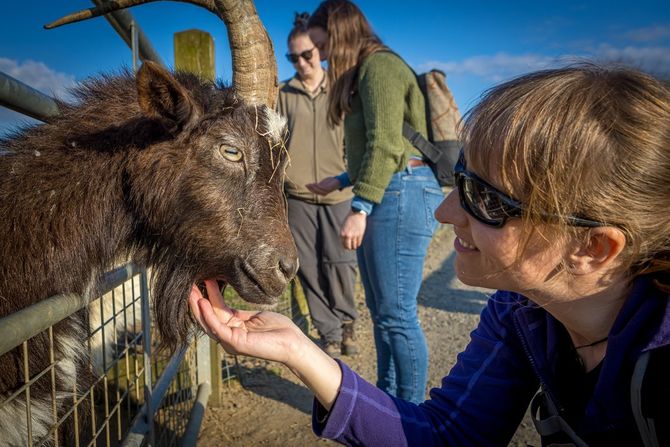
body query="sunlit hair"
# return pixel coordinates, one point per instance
(585, 140)
(350, 41)
(299, 26)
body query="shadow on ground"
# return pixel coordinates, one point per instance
(263, 381)
(442, 290)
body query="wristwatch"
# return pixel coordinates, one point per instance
(357, 211)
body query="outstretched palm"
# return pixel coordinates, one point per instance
(262, 334)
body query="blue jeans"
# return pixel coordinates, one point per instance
(391, 260)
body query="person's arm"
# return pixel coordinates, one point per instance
(480, 402)
(382, 87)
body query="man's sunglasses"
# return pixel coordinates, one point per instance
(294, 58)
(492, 207)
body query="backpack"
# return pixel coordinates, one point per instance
(442, 147)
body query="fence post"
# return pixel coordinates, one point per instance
(194, 52)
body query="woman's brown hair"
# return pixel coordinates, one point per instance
(586, 140)
(350, 41)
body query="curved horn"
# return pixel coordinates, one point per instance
(254, 64)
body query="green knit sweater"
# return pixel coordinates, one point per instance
(386, 94)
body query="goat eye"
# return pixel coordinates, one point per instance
(230, 153)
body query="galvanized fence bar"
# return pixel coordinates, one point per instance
(143, 422)
(192, 429)
(147, 344)
(121, 21)
(30, 321)
(24, 99)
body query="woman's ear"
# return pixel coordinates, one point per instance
(598, 252)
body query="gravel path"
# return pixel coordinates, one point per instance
(272, 408)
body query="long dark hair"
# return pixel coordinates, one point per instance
(350, 41)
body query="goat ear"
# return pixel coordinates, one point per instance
(161, 96)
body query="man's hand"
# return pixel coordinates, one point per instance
(353, 230)
(325, 186)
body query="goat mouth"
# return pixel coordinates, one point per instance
(251, 287)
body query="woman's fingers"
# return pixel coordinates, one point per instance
(224, 313)
(215, 327)
(194, 300)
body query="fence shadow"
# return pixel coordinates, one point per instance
(263, 381)
(442, 290)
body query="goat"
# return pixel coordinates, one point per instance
(178, 174)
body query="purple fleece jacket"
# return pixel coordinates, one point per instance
(485, 396)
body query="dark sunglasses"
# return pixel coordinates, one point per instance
(492, 207)
(294, 58)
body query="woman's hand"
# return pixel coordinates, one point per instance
(269, 336)
(325, 186)
(266, 335)
(353, 230)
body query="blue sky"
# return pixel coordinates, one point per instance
(477, 43)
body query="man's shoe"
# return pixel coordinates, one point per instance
(332, 348)
(349, 339)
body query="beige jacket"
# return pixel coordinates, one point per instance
(316, 150)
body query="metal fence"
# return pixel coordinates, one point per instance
(137, 397)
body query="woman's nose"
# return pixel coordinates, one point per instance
(450, 211)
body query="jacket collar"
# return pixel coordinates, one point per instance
(643, 324)
(643, 321)
(296, 84)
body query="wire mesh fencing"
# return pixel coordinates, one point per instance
(132, 395)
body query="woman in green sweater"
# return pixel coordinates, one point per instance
(395, 193)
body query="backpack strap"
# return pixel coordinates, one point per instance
(553, 424)
(418, 141)
(645, 425)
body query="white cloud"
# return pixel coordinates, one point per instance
(493, 68)
(655, 60)
(39, 76)
(503, 66)
(649, 34)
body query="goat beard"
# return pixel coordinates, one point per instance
(170, 289)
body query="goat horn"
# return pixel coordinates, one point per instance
(254, 63)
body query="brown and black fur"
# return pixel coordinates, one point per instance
(135, 170)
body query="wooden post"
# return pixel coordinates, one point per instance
(194, 52)
(299, 308)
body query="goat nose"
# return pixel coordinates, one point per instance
(288, 265)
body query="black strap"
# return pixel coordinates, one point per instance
(554, 423)
(644, 425)
(418, 141)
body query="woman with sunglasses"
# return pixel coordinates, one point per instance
(327, 270)
(561, 204)
(396, 194)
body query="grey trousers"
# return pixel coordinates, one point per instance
(327, 271)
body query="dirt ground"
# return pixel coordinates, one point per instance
(272, 408)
